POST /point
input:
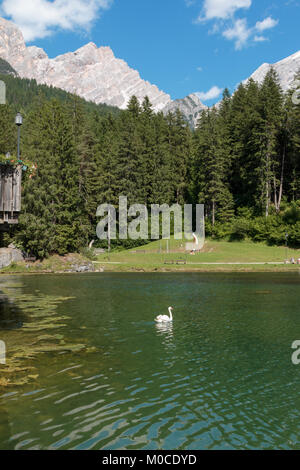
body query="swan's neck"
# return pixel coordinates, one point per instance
(170, 313)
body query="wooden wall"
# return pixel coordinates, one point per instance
(10, 194)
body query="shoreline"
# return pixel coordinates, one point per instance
(205, 268)
(221, 256)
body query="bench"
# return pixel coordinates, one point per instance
(177, 261)
(30, 259)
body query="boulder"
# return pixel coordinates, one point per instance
(83, 268)
(10, 255)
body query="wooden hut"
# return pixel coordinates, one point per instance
(10, 195)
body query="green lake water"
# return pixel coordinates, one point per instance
(89, 369)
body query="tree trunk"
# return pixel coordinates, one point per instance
(281, 177)
(267, 198)
(267, 182)
(275, 193)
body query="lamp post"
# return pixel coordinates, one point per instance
(286, 245)
(19, 122)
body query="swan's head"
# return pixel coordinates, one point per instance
(170, 308)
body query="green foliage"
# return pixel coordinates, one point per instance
(240, 229)
(88, 253)
(272, 229)
(6, 68)
(22, 93)
(292, 214)
(242, 162)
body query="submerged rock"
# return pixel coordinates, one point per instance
(83, 268)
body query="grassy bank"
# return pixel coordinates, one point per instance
(215, 257)
(53, 264)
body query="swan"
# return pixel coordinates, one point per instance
(165, 318)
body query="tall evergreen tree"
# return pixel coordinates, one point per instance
(211, 167)
(53, 217)
(267, 133)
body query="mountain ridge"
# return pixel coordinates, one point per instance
(191, 107)
(95, 74)
(286, 69)
(92, 73)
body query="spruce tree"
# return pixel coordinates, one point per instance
(267, 133)
(53, 215)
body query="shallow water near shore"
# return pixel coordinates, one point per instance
(87, 367)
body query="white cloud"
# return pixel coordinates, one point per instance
(260, 38)
(222, 14)
(222, 9)
(189, 3)
(40, 18)
(240, 33)
(267, 23)
(211, 94)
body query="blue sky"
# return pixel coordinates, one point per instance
(182, 46)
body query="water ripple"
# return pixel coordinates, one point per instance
(214, 379)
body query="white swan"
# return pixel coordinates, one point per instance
(165, 318)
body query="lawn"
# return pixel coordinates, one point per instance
(248, 255)
(215, 256)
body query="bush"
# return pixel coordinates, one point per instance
(271, 230)
(294, 236)
(218, 231)
(241, 229)
(245, 212)
(292, 215)
(88, 253)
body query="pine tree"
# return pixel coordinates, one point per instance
(267, 133)
(8, 133)
(53, 215)
(245, 163)
(293, 143)
(180, 148)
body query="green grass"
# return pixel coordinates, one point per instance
(149, 258)
(53, 264)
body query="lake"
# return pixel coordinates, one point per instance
(89, 369)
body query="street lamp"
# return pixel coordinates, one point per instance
(19, 122)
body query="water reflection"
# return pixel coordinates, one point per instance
(11, 317)
(165, 329)
(5, 428)
(165, 332)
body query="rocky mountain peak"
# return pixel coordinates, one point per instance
(90, 72)
(286, 70)
(191, 107)
(12, 44)
(94, 73)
